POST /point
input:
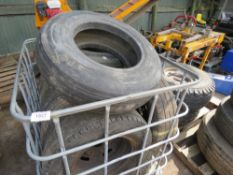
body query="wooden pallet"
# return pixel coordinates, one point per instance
(7, 75)
(186, 148)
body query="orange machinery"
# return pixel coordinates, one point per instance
(124, 13)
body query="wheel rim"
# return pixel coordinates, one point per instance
(174, 75)
(94, 156)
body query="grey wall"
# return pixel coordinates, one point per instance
(17, 18)
(167, 11)
(17, 24)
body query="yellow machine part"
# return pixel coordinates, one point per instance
(207, 42)
(41, 21)
(127, 8)
(165, 41)
(200, 19)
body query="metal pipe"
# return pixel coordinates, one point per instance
(122, 157)
(154, 17)
(32, 146)
(83, 5)
(107, 113)
(95, 105)
(33, 153)
(61, 144)
(223, 8)
(88, 145)
(194, 5)
(152, 110)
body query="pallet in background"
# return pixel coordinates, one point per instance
(7, 75)
(186, 148)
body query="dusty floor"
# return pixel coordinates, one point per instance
(15, 161)
(176, 167)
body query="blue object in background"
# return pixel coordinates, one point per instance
(223, 84)
(227, 62)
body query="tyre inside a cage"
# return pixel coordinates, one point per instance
(84, 128)
(197, 96)
(75, 53)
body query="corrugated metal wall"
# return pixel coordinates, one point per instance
(17, 20)
(17, 23)
(167, 10)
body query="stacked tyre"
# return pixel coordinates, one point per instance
(85, 57)
(197, 96)
(215, 137)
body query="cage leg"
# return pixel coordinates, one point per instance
(147, 131)
(61, 144)
(107, 113)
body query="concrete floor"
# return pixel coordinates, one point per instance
(15, 161)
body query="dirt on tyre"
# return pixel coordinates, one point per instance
(224, 119)
(217, 151)
(197, 96)
(63, 60)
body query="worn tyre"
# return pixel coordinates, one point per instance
(197, 96)
(105, 58)
(217, 151)
(224, 119)
(62, 60)
(87, 127)
(165, 108)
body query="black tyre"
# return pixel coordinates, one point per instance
(165, 108)
(87, 127)
(217, 151)
(62, 60)
(224, 120)
(105, 58)
(50, 98)
(197, 96)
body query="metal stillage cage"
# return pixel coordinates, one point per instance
(26, 85)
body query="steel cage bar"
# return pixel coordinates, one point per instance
(31, 97)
